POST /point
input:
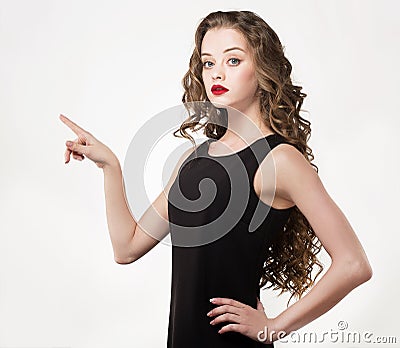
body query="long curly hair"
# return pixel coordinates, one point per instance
(290, 261)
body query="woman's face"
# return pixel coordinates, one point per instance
(227, 61)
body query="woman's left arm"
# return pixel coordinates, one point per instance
(297, 181)
(300, 183)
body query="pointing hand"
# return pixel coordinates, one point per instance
(87, 145)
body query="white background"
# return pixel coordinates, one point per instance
(112, 65)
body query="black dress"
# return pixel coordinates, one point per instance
(220, 234)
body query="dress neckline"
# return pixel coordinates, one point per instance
(239, 151)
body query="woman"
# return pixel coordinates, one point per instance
(238, 63)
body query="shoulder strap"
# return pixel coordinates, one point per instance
(260, 149)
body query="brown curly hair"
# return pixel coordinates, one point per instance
(290, 261)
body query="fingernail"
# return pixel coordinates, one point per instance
(69, 143)
(211, 300)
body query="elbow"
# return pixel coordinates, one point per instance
(360, 271)
(367, 272)
(356, 270)
(124, 261)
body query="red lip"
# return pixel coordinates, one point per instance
(218, 89)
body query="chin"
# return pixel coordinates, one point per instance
(219, 100)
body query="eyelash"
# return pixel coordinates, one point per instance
(207, 61)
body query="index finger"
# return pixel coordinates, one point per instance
(75, 128)
(228, 301)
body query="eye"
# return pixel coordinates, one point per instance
(238, 60)
(204, 63)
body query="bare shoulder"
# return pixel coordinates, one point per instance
(295, 175)
(288, 157)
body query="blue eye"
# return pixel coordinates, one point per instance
(235, 59)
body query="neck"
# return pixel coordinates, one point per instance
(245, 124)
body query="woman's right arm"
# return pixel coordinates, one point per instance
(130, 239)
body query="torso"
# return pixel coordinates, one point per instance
(220, 241)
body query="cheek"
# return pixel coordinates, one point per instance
(247, 78)
(205, 78)
(207, 84)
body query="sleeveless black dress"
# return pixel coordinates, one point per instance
(220, 233)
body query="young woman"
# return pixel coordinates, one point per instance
(237, 63)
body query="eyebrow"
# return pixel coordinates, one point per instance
(227, 50)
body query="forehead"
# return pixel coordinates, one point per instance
(217, 40)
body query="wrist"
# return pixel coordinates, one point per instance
(275, 329)
(112, 165)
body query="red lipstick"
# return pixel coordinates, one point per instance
(218, 89)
